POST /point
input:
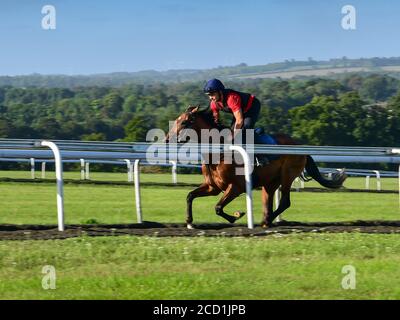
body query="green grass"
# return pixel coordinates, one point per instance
(36, 204)
(277, 267)
(296, 266)
(351, 183)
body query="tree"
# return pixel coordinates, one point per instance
(394, 105)
(2, 95)
(378, 127)
(96, 126)
(6, 129)
(130, 104)
(311, 122)
(137, 128)
(327, 120)
(112, 105)
(274, 120)
(318, 111)
(169, 114)
(70, 130)
(94, 137)
(377, 88)
(48, 128)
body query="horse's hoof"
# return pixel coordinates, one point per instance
(189, 226)
(265, 225)
(281, 221)
(238, 214)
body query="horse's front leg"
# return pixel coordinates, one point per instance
(202, 191)
(230, 193)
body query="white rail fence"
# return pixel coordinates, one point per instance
(298, 183)
(85, 166)
(76, 150)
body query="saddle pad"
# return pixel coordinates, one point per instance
(264, 139)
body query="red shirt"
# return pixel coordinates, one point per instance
(233, 102)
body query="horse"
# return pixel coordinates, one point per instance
(221, 177)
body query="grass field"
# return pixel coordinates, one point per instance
(353, 182)
(289, 267)
(31, 203)
(296, 266)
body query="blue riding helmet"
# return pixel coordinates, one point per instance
(213, 85)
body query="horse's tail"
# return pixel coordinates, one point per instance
(337, 179)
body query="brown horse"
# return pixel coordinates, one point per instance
(221, 177)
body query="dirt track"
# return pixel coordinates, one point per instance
(42, 232)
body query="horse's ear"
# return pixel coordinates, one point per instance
(195, 109)
(192, 109)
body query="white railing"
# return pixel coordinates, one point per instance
(85, 171)
(60, 183)
(62, 149)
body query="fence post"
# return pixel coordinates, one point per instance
(60, 182)
(129, 169)
(297, 184)
(32, 168)
(378, 180)
(87, 172)
(174, 176)
(43, 170)
(367, 182)
(82, 169)
(137, 192)
(277, 198)
(247, 176)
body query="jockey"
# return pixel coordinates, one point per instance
(244, 106)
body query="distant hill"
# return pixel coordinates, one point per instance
(318, 72)
(286, 69)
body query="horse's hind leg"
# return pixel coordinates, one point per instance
(202, 191)
(267, 195)
(283, 205)
(230, 193)
(288, 177)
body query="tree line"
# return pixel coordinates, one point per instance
(362, 111)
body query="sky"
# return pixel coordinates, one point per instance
(126, 36)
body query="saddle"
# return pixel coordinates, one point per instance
(260, 137)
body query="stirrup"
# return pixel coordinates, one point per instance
(262, 162)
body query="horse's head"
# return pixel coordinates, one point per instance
(193, 118)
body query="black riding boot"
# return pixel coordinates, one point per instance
(261, 160)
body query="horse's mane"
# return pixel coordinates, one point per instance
(208, 117)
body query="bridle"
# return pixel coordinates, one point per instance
(188, 123)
